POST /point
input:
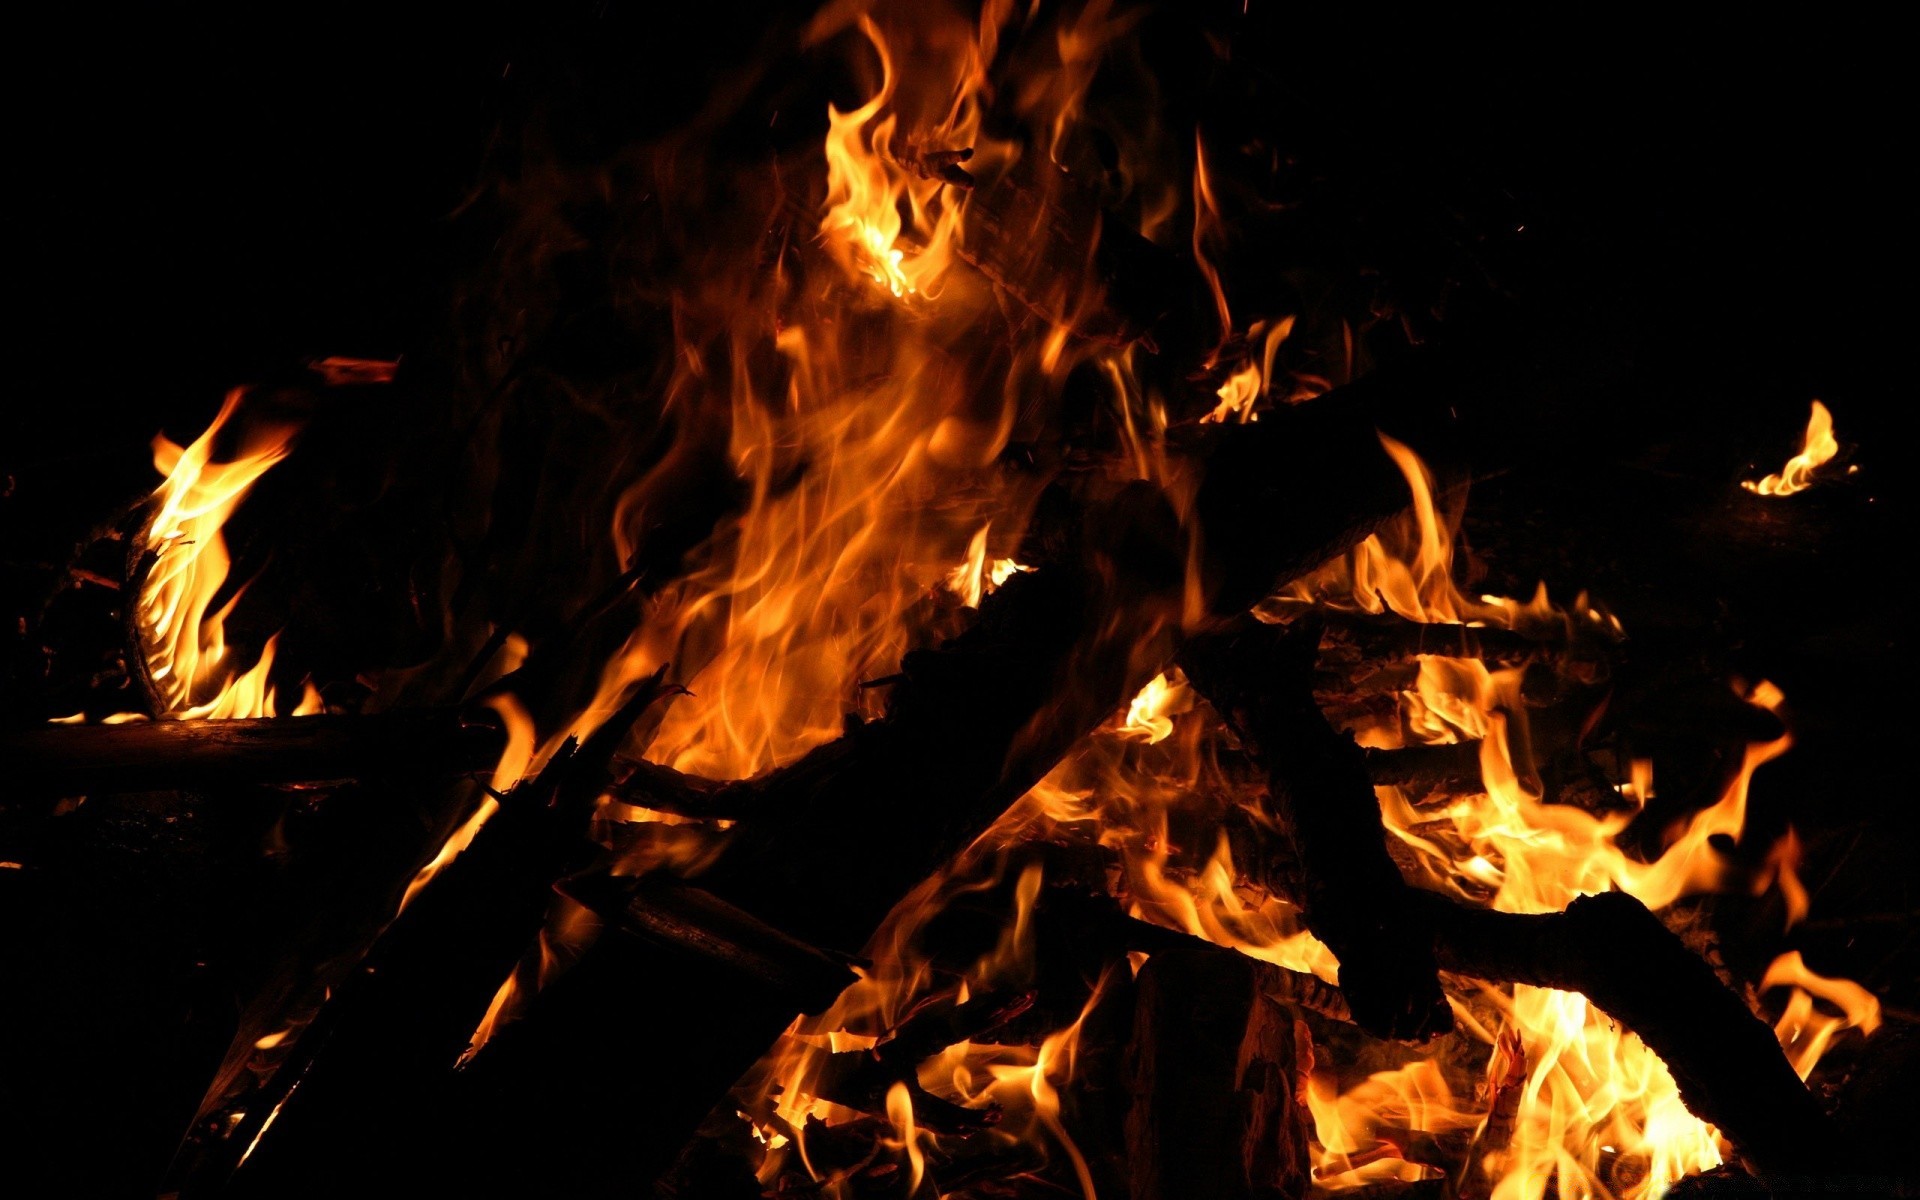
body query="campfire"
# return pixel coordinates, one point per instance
(922, 637)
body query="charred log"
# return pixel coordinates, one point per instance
(412, 1005)
(1213, 1110)
(1611, 949)
(1259, 678)
(72, 760)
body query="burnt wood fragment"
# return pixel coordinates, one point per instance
(73, 760)
(1214, 1076)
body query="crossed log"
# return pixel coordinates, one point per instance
(970, 727)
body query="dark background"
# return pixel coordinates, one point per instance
(206, 198)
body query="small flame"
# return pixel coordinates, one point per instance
(1816, 448)
(1150, 714)
(1806, 1033)
(976, 578)
(185, 646)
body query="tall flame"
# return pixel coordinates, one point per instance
(1818, 446)
(185, 646)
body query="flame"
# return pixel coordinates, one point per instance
(865, 429)
(1598, 1112)
(185, 646)
(1818, 446)
(978, 577)
(1149, 714)
(1252, 380)
(1805, 1033)
(871, 180)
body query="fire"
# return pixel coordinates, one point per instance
(185, 646)
(874, 173)
(855, 428)
(1598, 1111)
(1817, 447)
(1805, 1032)
(1149, 714)
(977, 578)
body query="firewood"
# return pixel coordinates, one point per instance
(861, 1079)
(1611, 949)
(1100, 917)
(1608, 947)
(1353, 897)
(1451, 767)
(1213, 1111)
(1390, 639)
(73, 760)
(698, 924)
(857, 823)
(408, 1010)
(1504, 1093)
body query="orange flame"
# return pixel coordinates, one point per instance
(1818, 446)
(1804, 1032)
(185, 646)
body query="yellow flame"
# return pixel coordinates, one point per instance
(185, 646)
(1599, 1114)
(869, 183)
(1805, 1033)
(1818, 446)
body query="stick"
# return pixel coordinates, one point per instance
(74, 760)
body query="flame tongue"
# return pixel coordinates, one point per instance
(185, 646)
(1816, 448)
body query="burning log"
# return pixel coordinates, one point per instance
(412, 1005)
(73, 760)
(1451, 766)
(1259, 678)
(971, 726)
(1036, 234)
(693, 921)
(1611, 949)
(1381, 640)
(1506, 1087)
(862, 1079)
(1213, 1067)
(1608, 947)
(1099, 917)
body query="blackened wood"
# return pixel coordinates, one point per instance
(383, 1041)
(1452, 766)
(861, 1079)
(1213, 1066)
(73, 760)
(1100, 917)
(1506, 1086)
(972, 725)
(1259, 678)
(1388, 639)
(1611, 949)
(695, 922)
